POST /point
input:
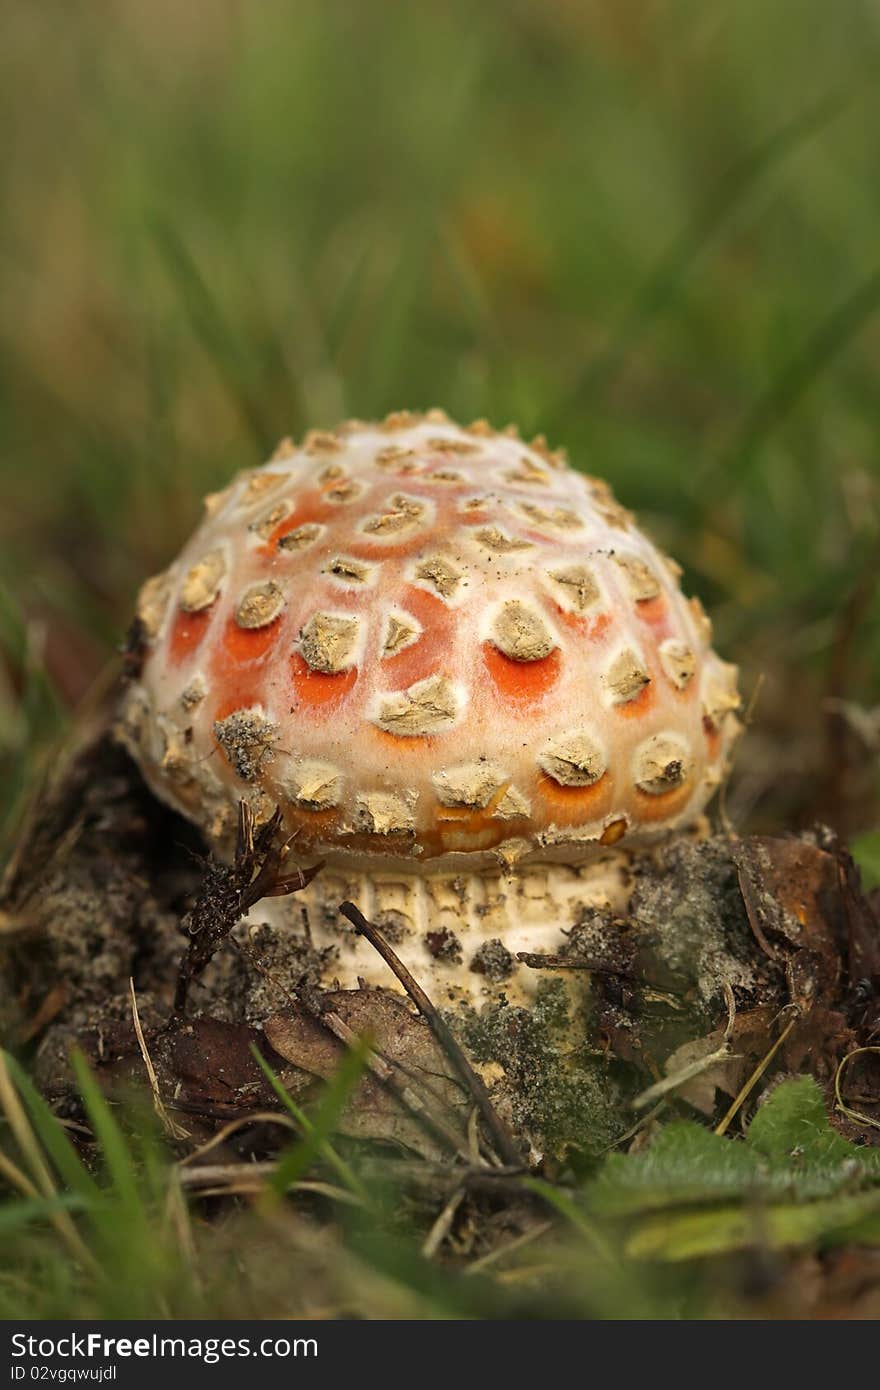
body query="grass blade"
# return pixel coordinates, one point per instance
(222, 344)
(573, 1214)
(18, 1214)
(317, 1131)
(117, 1155)
(829, 339)
(659, 286)
(50, 1132)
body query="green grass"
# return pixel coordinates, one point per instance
(104, 1229)
(648, 230)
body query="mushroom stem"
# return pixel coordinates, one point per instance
(461, 935)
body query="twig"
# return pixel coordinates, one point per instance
(695, 1068)
(502, 1251)
(440, 1177)
(218, 1179)
(245, 1121)
(495, 1125)
(551, 962)
(679, 1078)
(634, 1129)
(442, 1226)
(170, 1126)
(228, 893)
(756, 1075)
(842, 1106)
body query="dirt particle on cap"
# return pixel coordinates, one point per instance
(559, 518)
(400, 632)
(301, 537)
(347, 570)
(528, 473)
(678, 662)
(402, 515)
(259, 484)
(495, 539)
(469, 784)
(441, 444)
(193, 693)
(152, 603)
(344, 492)
(249, 739)
(392, 454)
(641, 582)
(511, 805)
(266, 522)
(661, 764)
(384, 813)
(321, 442)
(315, 785)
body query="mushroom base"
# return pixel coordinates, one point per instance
(459, 934)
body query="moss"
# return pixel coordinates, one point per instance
(561, 1095)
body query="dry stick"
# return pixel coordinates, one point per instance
(171, 1128)
(428, 1176)
(756, 1075)
(442, 1226)
(243, 1122)
(502, 1251)
(537, 961)
(634, 1129)
(223, 1178)
(500, 1134)
(841, 1103)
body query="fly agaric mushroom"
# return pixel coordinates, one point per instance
(466, 677)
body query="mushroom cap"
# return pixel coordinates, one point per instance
(428, 642)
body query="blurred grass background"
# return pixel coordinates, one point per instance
(647, 228)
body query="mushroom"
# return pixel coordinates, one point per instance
(472, 685)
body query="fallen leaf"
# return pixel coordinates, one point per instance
(375, 1111)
